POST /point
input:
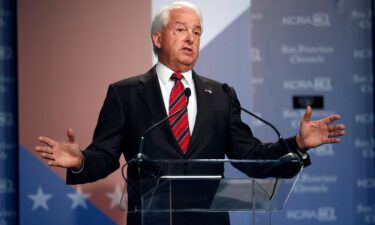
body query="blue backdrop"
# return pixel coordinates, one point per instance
(319, 48)
(278, 49)
(8, 114)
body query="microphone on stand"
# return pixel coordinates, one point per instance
(140, 156)
(229, 92)
(285, 158)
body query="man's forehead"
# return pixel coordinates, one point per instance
(185, 16)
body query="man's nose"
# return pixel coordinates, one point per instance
(189, 38)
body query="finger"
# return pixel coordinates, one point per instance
(336, 127)
(43, 149)
(332, 118)
(71, 135)
(47, 156)
(336, 134)
(308, 113)
(53, 163)
(48, 141)
(332, 140)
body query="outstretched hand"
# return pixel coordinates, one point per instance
(61, 154)
(315, 133)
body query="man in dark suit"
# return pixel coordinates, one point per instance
(211, 126)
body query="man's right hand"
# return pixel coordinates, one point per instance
(61, 154)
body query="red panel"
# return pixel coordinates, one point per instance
(69, 52)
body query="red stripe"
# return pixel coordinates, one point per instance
(180, 125)
(176, 91)
(179, 105)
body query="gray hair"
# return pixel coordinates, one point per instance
(161, 18)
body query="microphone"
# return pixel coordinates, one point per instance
(285, 158)
(229, 92)
(142, 158)
(140, 155)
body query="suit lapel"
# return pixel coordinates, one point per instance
(151, 94)
(204, 93)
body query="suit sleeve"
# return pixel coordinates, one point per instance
(243, 145)
(102, 156)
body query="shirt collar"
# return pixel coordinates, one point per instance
(164, 74)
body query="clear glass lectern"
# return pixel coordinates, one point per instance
(198, 185)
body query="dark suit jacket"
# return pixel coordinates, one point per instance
(133, 105)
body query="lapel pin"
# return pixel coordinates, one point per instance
(208, 90)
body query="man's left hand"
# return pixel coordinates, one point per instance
(315, 133)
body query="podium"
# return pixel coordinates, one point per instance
(167, 187)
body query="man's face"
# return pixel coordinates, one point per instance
(178, 42)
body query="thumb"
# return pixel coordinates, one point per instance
(308, 113)
(71, 135)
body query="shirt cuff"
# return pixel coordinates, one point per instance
(80, 170)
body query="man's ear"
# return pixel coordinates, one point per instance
(156, 38)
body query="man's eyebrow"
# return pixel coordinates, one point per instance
(198, 27)
(183, 23)
(179, 22)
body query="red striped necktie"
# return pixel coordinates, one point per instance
(179, 123)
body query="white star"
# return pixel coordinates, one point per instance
(40, 199)
(115, 196)
(78, 198)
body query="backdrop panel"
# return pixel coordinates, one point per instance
(70, 52)
(8, 114)
(319, 48)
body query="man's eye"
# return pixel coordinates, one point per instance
(180, 29)
(197, 33)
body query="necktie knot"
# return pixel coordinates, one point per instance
(176, 76)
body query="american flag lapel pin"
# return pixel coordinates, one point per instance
(208, 90)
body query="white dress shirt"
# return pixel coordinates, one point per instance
(166, 85)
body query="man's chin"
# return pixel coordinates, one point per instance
(188, 61)
(186, 66)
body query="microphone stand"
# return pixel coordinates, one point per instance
(285, 158)
(140, 156)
